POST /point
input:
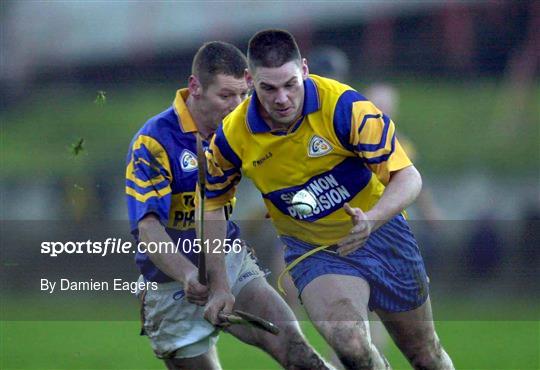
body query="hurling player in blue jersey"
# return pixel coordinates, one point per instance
(161, 179)
(354, 250)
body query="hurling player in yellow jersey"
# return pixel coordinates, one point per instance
(161, 178)
(354, 251)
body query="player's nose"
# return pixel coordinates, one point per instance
(281, 97)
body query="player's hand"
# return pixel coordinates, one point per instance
(221, 301)
(359, 233)
(195, 292)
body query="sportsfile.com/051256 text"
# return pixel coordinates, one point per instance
(118, 246)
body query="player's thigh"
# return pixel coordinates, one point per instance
(337, 305)
(411, 330)
(335, 297)
(259, 298)
(206, 361)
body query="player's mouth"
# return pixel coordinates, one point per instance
(285, 111)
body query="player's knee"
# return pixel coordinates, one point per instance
(352, 346)
(362, 359)
(428, 355)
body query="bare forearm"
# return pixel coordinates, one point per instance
(216, 229)
(172, 264)
(401, 191)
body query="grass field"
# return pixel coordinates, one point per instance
(501, 342)
(115, 345)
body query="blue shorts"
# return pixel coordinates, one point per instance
(390, 262)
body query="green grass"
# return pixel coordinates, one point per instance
(116, 345)
(464, 125)
(36, 139)
(478, 334)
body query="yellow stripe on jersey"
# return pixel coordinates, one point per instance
(216, 162)
(130, 175)
(222, 185)
(143, 198)
(220, 201)
(373, 137)
(368, 127)
(148, 173)
(372, 133)
(155, 149)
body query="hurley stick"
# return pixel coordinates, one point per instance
(239, 317)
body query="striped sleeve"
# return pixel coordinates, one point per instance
(223, 171)
(148, 180)
(364, 129)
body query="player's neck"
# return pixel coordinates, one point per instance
(205, 131)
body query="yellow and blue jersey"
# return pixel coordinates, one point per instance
(161, 178)
(341, 149)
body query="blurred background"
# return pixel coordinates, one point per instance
(460, 79)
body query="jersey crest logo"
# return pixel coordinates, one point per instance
(188, 161)
(318, 147)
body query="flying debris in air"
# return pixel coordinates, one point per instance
(100, 98)
(77, 148)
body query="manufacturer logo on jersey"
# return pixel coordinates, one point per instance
(179, 295)
(260, 161)
(318, 147)
(188, 161)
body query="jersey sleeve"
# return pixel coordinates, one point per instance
(364, 129)
(148, 180)
(223, 172)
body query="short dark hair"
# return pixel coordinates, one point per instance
(272, 48)
(217, 57)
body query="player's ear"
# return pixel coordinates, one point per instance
(249, 79)
(194, 86)
(305, 69)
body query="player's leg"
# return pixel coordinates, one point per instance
(206, 361)
(289, 348)
(414, 333)
(337, 305)
(177, 331)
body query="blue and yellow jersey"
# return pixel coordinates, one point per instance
(342, 149)
(161, 177)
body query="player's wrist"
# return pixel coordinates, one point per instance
(188, 274)
(376, 219)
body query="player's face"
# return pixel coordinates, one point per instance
(281, 91)
(221, 97)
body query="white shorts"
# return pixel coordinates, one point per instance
(177, 328)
